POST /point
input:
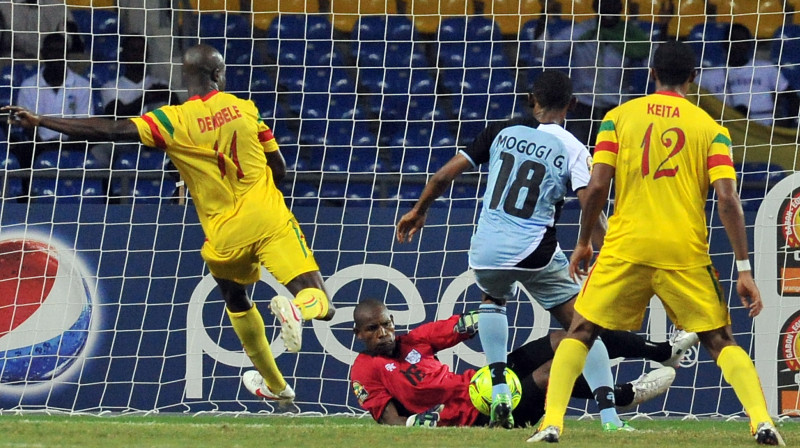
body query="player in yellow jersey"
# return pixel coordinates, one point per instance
(663, 152)
(231, 163)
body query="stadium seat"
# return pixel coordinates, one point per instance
(428, 14)
(42, 189)
(689, 14)
(577, 10)
(153, 191)
(336, 159)
(707, 41)
(332, 189)
(359, 190)
(267, 11)
(785, 51)
(313, 131)
(94, 21)
(399, 28)
(509, 15)
(345, 13)
(366, 159)
(345, 106)
(12, 186)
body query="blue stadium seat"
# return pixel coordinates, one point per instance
(369, 54)
(241, 52)
(359, 190)
(400, 28)
(332, 189)
(14, 74)
(153, 191)
(345, 105)
(786, 52)
(105, 47)
(238, 79)
(42, 189)
(9, 163)
(312, 131)
(101, 73)
(405, 54)
(211, 24)
(291, 78)
(453, 29)
(706, 40)
(336, 159)
(317, 27)
(369, 28)
(96, 21)
(237, 26)
(291, 53)
(46, 160)
(366, 159)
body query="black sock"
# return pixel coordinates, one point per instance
(498, 370)
(624, 344)
(623, 394)
(604, 396)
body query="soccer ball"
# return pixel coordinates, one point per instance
(480, 389)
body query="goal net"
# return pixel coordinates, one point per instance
(105, 303)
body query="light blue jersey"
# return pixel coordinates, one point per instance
(532, 167)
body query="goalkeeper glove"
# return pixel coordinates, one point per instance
(467, 323)
(428, 419)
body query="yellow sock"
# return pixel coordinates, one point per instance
(249, 326)
(567, 366)
(740, 373)
(312, 302)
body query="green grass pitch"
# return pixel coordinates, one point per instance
(33, 430)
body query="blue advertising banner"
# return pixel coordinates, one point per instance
(110, 308)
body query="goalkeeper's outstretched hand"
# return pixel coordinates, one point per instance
(467, 323)
(428, 419)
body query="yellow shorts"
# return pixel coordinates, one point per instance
(616, 294)
(285, 254)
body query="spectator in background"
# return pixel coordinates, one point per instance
(23, 21)
(754, 87)
(56, 91)
(134, 92)
(599, 50)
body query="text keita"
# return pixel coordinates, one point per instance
(222, 116)
(663, 110)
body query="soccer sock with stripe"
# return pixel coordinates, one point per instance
(312, 302)
(493, 325)
(567, 364)
(597, 371)
(740, 373)
(249, 326)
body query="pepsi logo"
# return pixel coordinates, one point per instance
(45, 310)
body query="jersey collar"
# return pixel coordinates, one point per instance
(669, 93)
(206, 97)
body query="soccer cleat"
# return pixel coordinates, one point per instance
(254, 383)
(767, 434)
(500, 412)
(681, 342)
(651, 385)
(610, 427)
(549, 435)
(291, 322)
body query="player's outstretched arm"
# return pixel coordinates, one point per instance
(732, 217)
(592, 199)
(93, 129)
(414, 220)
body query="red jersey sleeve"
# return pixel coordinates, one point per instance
(439, 335)
(368, 388)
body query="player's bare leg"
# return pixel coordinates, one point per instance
(740, 373)
(248, 324)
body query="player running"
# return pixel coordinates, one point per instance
(400, 381)
(662, 152)
(533, 163)
(231, 163)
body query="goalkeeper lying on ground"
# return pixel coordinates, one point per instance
(400, 381)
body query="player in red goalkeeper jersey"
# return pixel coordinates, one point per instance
(230, 162)
(400, 381)
(663, 153)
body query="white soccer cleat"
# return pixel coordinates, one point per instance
(255, 384)
(767, 434)
(651, 385)
(291, 322)
(681, 342)
(549, 435)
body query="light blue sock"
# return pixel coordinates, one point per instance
(493, 333)
(597, 372)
